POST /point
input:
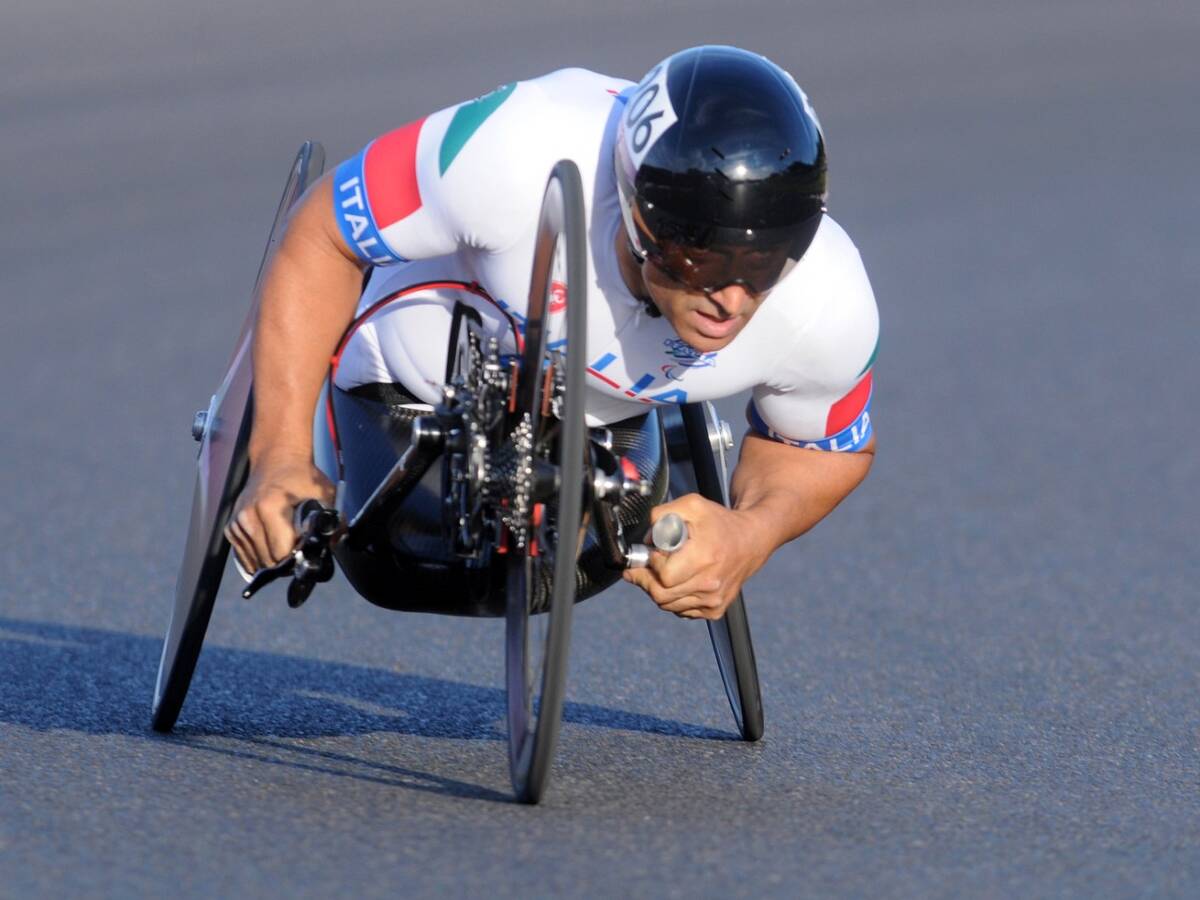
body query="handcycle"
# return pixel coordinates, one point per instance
(530, 508)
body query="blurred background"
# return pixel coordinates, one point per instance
(979, 674)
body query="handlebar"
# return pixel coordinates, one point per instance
(311, 561)
(669, 534)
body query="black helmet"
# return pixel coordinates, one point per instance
(720, 169)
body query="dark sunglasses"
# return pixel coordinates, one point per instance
(710, 269)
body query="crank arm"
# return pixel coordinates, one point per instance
(428, 439)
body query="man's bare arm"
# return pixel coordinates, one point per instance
(309, 294)
(778, 492)
(786, 490)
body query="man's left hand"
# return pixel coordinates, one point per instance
(704, 576)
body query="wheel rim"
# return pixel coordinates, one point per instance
(542, 569)
(221, 473)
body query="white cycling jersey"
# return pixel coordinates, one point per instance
(457, 196)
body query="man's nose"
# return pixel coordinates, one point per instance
(733, 299)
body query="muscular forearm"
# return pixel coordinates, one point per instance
(781, 492)
(309, 294)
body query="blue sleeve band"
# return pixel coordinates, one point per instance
(853, 437)
(353, 214)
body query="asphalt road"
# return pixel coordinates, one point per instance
(980, 674)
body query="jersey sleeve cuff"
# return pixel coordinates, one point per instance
(352, 209)
(853, 437)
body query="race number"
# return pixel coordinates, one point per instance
(648, 115)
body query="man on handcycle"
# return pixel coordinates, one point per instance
(712, 266)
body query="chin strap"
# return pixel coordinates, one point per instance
(633, 251)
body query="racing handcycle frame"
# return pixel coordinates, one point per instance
(523, 479)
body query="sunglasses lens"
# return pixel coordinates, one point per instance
(714, 257)
(712, 268)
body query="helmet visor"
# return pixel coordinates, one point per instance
(708, 257)
(709, 269)
(754, 258)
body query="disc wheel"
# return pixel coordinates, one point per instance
(697, 460)
(548, 425)
(222, 467)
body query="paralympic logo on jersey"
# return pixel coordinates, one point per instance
(686, 357)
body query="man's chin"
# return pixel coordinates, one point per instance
(698, 339)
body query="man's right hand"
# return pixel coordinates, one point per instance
(261, 529)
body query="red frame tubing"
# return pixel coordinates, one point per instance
(470, 287)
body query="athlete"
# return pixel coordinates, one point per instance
(713, 269)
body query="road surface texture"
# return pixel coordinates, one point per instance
(980, 674)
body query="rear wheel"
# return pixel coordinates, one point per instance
(224, 433)
(550, 438)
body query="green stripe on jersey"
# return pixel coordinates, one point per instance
(871, 361)
(466, 121)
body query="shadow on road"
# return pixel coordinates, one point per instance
(101, 682)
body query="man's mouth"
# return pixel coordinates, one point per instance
(713, 326)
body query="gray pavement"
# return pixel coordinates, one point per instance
(980, 674)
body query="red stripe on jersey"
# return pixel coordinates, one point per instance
(606, 380)
(390, 170)
(843, 413)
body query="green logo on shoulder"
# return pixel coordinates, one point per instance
(871, 361)
(466, 121)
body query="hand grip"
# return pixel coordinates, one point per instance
(310, 561)
(668, 535)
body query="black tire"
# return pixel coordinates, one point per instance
(695, 466)
(221, 473)
(536, 644)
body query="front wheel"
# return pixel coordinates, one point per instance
(222, 467)
(550, 437)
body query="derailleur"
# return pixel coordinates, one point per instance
(463, 432)
(311, 562)
(467, 424)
